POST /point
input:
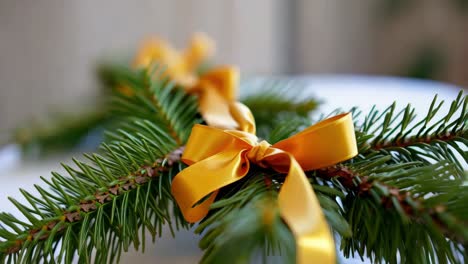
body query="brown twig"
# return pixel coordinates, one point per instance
(125, 183)
(362, 186)
(405, 142)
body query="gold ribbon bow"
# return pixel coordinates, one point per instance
(215, 88)
(218, 158)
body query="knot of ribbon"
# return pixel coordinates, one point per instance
(217, 158)
(258, 152)
(215, 89)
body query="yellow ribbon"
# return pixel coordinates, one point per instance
(181, 66)
(215, 88)
(218, 158)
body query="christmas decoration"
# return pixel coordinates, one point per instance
(392, 187)
(225, 158)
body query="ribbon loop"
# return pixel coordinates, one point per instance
(216, 89)
(226, 163)
(323, 144)
(221, 157)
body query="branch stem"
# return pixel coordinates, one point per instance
(406, 142)
(126, 183)
(412, 206)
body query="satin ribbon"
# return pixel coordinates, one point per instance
(180, 66)
(215, 89)
(218, 158)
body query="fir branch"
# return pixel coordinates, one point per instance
(244, 225)
(288, 128)
(409, 176)
(100, 208)
(104, 206)
(410, 205)
(405, 208)
(59, 132)
(157, 99)
(410, 200)
(383, 203)
(63, 130)
(275, 101)
(428, 140)
(278, 95)
(401, 192)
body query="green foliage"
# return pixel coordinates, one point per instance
(413, 208)
(245, 224)
(410, 178)
(428, 62)
(404, 195)
(59, 132)
(102, 206)
(276, 101)
(64, 129)
(436, 137)
(389, 9)
(461, 5)
(107, 204)
(157, 100)
(382, 205)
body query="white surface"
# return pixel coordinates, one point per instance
(344, 92)
(337, 91)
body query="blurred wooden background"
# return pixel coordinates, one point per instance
(48, 49)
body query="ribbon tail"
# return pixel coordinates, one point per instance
(215, 109)
(243, 117)
(302, 212)
(225, 79)
(204, 178)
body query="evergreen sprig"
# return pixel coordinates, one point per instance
(158, 100)
(100, 207)
(436, 137)
(274, 101)
(416, 202)
(106, 205)
(387, 209)
(60, 132)
(244, 224)
(63, 129)
(403, 198)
